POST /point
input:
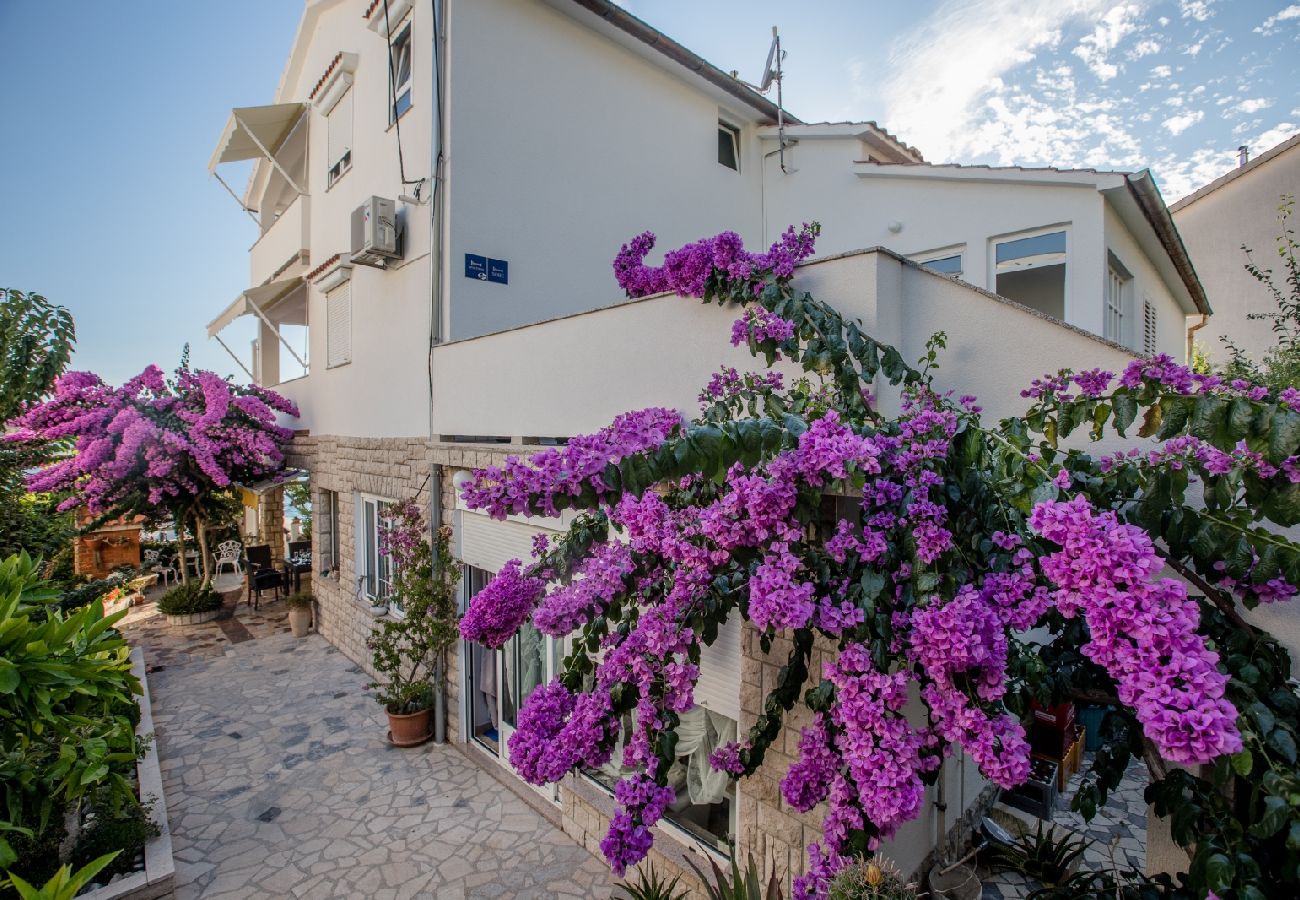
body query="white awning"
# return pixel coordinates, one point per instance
(254, 132)
(253, 301)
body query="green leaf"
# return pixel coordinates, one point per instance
(1282, 741)
(1283, 435)
(1243, 762)
(1126, 410)
(1218, 872)
(9, 677)
(1272, 818)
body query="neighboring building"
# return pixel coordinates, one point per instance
(566, 127)
(1239, 210)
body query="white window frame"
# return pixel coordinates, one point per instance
(998, 239)
(376, 587)
(1150, 333)
(398, 88)
(339, 167)
(734, 132)
(327, 519)
(1116, 301)
(958, 251)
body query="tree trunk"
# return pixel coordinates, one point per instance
(179, 521)
(201, 533)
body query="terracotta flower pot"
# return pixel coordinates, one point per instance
(409, 730)
(300, 621)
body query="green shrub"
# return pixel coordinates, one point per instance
(127, 830)
(303, 600)
(65, 885)
(187, 599)
(737, 884)
(650, 886)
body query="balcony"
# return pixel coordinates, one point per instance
(282, 250)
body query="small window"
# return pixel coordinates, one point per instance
(338, 326)
(1148, 327)
(1117, 288)
(339, 122)
(1031, 271)
(729, 146)
(946, 265)
(327, 530)
(401, 73)
(377, 576)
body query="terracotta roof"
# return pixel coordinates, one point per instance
(320, 82)
(370, 10)
(323, 267)
(1236, 173)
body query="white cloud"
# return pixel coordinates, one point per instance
(1267, 140)
(1269, 25)
(1180, 174)
(948, 95)
(1144, 47)
(1093, 49)
(1196, 9)
(1162, 71)
(1253, 105)
(1176, 125)
(1193, 49)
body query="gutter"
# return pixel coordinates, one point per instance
(657, 40)
(1143, 188)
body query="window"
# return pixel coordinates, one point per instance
(338, 326)
(1117, 286)
(339, 151)
(377, 572)
(327, 529)
(729, 146)
(400, 49)
(1148, 327)
(946, 265)
(1031, 271)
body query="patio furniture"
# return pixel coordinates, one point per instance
(299, 561)
(228, 555)
(154, 561)
(262, 575)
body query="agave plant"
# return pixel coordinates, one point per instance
(649, 886)
(737, 885)
(1044, 857)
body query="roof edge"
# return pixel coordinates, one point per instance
(688, 59)
(1142, 186)
(1251, 165)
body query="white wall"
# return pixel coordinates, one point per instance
(1214, 228)
(1171, 319)
(563, 146)
(383, 392)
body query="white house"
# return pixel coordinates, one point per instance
(1238, 210)
(537, 136)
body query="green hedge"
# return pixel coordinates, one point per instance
(187, 599)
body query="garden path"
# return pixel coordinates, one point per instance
(279, 782)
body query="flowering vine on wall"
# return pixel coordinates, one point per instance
(961, 537)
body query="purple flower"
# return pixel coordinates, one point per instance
(496, 612)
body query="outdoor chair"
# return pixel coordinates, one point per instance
(154, 562)
(228, 555)
(262, 575)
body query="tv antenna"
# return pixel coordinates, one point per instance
(772, 73)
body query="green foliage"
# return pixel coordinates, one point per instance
(1111, 885)
(650, 886)
(407, 653)
(300, 601)
(298, 495)
(187, 599)
(65, 885)
(1280, 366)
(125, 830)
(66, 695)
(36, 338)
(870, 880)
(1044, 857)
(737, 885)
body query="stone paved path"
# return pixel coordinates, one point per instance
(279, 784)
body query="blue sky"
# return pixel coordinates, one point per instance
(109, 129)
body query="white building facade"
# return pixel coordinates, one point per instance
(536, 137)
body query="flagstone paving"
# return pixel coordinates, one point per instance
(279, 783)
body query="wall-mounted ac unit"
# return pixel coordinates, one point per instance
(375, 240)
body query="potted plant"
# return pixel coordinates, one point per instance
(300, 614)
(408, 653)
(190, 604)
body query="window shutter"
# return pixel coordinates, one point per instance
(324, 530)
(488, 544)
(718, 689)
(340, 128)
(1148, 327)
(338, 325)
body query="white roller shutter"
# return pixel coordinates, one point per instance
(719, 686)
(488, 544)
(338, 325)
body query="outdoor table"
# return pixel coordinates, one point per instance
(295, 566)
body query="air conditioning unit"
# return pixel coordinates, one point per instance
(375, 239)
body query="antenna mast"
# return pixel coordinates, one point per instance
(772, 71)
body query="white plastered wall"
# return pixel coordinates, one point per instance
(1171, 318)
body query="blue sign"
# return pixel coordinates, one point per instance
(481, 268)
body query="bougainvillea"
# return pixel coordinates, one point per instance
(155, 445)
(921, 545)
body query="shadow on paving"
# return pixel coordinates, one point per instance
(279, 782)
